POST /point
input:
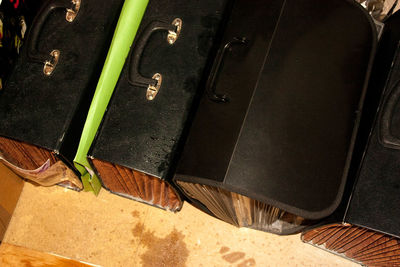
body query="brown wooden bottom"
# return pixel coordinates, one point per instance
(360, 244)
(137, 185)
(24, 155)
(31, 157)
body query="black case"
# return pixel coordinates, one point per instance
(375, 202)
(373, 190)
(279, 121)
(367, 222)
(145, 135)
(50, 111)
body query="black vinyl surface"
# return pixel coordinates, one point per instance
(50, 111)
(376, 196)
(295, 92)
(145, 135)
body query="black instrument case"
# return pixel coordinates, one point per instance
(274, 132)
(142, 132)
(44, 104)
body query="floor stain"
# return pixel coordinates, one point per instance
(236, 258)
(170, 250)
(247, 263)
(223, 250)
(135, 213)
(138, 230)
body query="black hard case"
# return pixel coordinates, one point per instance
(295, 90)
(372, 193)
(144, 135)
(50, 111)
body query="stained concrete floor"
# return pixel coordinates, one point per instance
(109, 230)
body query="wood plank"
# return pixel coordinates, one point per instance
(11, 256)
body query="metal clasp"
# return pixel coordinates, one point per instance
(72, 13)
(152, 90)
(50, 65)
(173, 35)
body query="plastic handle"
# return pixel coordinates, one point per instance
(216, 69)
(71, 7)
(135, 78)
(385, 134)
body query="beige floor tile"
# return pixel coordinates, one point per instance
(113, 231)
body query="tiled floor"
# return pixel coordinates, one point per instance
(113, 231)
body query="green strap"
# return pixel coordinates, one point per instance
(128, 24)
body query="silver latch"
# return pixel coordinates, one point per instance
(73, 12)
(152, 90)
(173, 35)
(50, 65)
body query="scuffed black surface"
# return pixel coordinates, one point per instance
(50, 111)
(145, 135)
(290, 147)
(375, 202)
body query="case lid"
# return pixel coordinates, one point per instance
(142, 133)
(286, 135)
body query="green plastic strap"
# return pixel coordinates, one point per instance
(128, 24)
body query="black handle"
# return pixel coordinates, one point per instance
(135, 78)
(385, 134)
(34, 54)
(216, 69)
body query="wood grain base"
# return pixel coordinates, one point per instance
(356, 243)
(137, 185)
(24, 155)
(29, 157)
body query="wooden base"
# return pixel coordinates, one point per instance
(356, 243)
(137, 185)
(24, 155)
(30, 157)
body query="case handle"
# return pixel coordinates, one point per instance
(152, 84)
(385, 134)
(72, 8)
(216, 69)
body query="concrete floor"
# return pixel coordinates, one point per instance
(113, 231)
